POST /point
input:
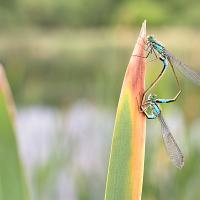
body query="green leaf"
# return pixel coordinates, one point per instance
(12, 180)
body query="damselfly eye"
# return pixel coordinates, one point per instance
(151, 38)
(152, 97)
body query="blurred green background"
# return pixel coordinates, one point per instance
(65, 61)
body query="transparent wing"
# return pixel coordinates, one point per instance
(171, 146)
(184, 69)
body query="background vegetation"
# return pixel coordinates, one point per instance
(87, 13)
(65, 61)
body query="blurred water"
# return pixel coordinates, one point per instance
(59, 148)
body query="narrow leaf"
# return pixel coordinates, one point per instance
(126, 165)
(12, 181)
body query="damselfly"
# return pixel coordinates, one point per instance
(156, 48)
(152, 111)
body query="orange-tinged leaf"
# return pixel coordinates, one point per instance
(126, 165)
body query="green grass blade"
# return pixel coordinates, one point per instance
(12, 180)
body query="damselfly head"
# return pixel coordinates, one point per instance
(151, 38)
(152, 97)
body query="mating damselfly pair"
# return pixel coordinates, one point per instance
(150, 104)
